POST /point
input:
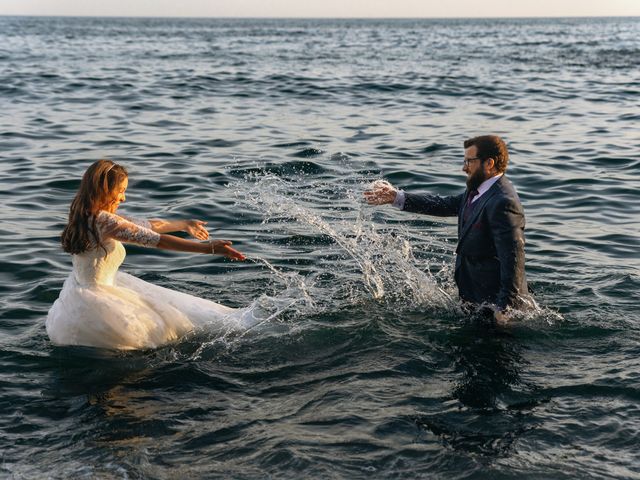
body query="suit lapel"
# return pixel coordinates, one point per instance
(477, 209)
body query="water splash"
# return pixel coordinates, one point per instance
(363, 261)
(532, 312)
(369, 261)
(296, 297)
(293, 299)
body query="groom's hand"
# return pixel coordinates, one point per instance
(381, 193)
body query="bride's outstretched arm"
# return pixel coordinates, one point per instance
(220, 247)
(195, 228)
(123, 230)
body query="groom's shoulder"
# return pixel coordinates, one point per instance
(506, 187)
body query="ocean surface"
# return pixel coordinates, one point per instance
(364, 365)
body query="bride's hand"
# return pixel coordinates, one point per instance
(196, 228)
(223, 247)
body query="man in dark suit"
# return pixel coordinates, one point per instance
(490, 252)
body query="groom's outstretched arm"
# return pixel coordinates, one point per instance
(383, 193)
(431, 204)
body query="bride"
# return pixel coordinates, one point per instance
(102, 307)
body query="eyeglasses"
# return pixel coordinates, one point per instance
(469, 160)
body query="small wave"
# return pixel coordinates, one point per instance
(117, 143)
(219, 143)
(434, 147)
(290, 144)
(282, 169)
(308, 153)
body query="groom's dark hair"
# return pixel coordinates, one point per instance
(490, 146)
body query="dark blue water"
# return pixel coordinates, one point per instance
(270, 130)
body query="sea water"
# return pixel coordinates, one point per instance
(358, 361)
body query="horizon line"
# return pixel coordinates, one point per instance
(205, 17)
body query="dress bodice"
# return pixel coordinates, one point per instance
(98, 265)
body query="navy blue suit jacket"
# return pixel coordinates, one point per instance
(490, 251)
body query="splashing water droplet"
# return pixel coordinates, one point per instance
(375, 261)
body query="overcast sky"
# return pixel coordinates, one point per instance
(323, 8)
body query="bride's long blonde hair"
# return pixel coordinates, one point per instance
(96, 192)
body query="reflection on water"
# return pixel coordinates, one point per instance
(488, 360)
(490, 405)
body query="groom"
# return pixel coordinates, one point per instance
(490, 252)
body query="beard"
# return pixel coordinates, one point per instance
(476, 179)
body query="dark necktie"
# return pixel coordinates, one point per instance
(468, 209)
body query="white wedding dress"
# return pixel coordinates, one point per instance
(102, 307)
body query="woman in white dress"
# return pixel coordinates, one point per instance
(102, 307)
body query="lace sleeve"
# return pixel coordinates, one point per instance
(123, 230)
(141, 222)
